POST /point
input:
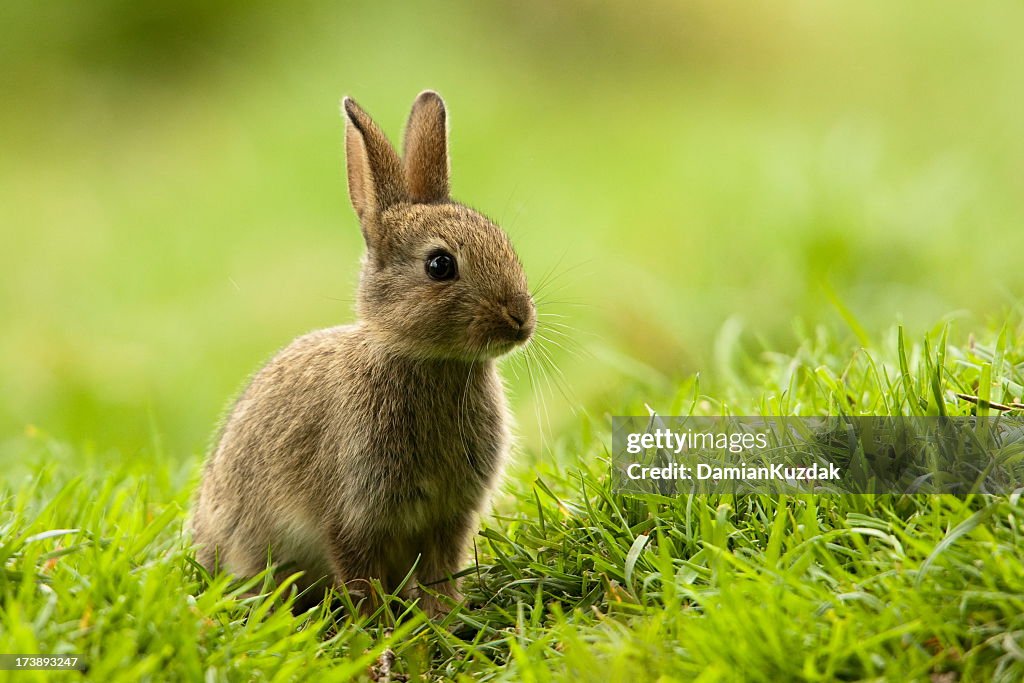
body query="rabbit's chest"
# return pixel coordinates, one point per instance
(451, 448)
(441, 455)
(418, 447)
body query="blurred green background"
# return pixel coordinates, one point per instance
(173, 203)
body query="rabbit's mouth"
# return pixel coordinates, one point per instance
(501, 326)
(506, 338)
(498, 348)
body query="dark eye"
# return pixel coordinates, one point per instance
(441, 266)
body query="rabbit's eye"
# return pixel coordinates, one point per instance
(441, 266)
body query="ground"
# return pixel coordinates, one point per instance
(569, 580)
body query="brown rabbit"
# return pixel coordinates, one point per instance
(362, 451)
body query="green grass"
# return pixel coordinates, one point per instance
(572, 581)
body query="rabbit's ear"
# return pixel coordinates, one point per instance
(374, 170)
(425, 155)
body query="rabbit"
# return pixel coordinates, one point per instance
(368, 451)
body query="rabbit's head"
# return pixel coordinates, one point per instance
(439, 279)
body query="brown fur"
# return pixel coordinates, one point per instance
(359, 452)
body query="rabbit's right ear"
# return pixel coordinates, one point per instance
(374, 170)
(425, 156)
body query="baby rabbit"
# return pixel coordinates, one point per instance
(362, 451)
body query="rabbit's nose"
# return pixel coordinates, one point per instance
(518, 313)
(512, 317)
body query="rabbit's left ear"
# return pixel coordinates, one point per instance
(425, 150)
(374, 169)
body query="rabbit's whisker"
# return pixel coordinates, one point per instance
(463, 406)
(575, 349)
(540, 403)
(560, 380)
(551, 276)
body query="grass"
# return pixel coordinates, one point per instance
(572, 581)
